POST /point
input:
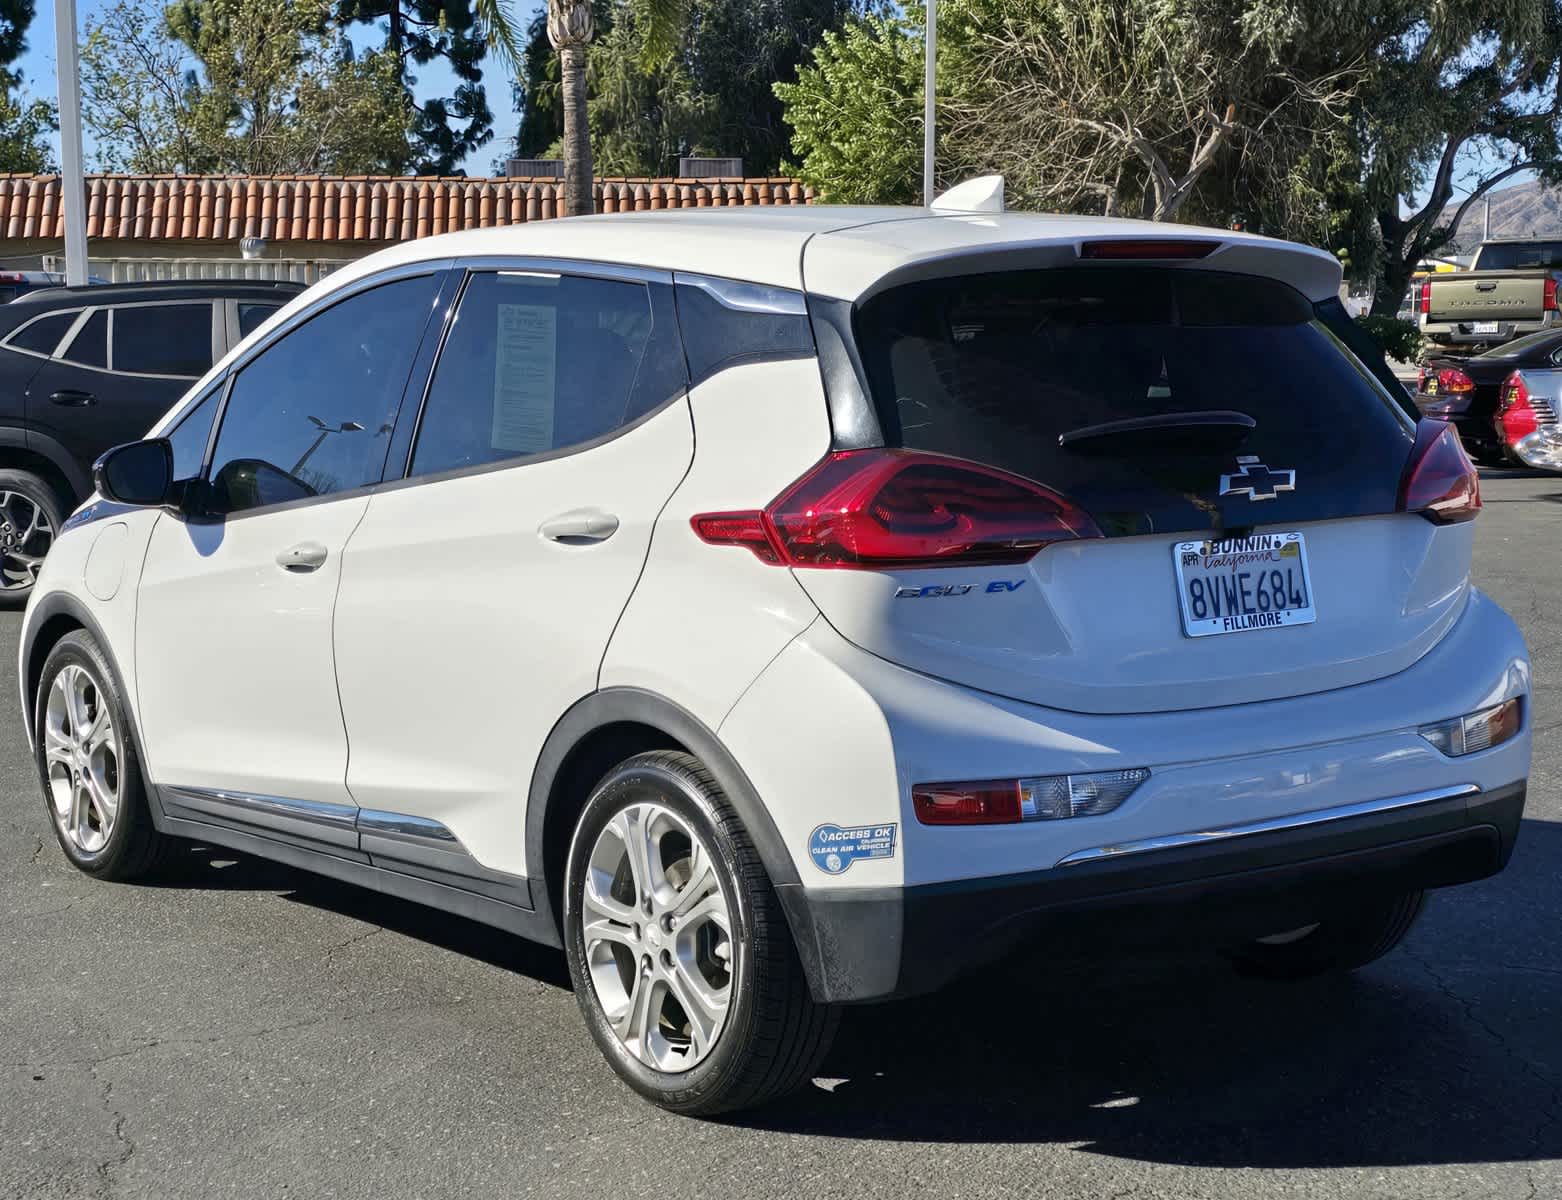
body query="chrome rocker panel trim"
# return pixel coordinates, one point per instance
(419, 850)
(1321, 816)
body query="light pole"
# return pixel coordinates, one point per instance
(73, 184)
(928, 98)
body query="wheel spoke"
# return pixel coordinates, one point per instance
(78, 817)
(605, 929)
(100, 730)
(701, 882)
(56, 746)
(103, 801)
(711, 908)
(702, 1007)
(631, 825)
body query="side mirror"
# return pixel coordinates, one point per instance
(139, 473)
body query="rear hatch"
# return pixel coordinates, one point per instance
(1187, 423)
(1489, 296)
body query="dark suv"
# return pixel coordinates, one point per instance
(83, 369)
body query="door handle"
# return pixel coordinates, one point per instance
(302, 558)
(579, 527)
(73, 398)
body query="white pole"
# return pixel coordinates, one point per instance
(928, 98)
(72, 182)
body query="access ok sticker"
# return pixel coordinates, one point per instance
(834, 849)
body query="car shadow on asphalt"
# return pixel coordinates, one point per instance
(1446, 1051)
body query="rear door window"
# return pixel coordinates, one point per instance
(537, 363)
(89, 347)
(163, 339)
(1019, 370)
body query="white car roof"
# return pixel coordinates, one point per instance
(842, 251)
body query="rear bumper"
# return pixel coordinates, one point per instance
(861, 945)
(1462, 333)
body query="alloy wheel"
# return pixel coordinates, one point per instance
(657, 927)
(26, 533)
(82, 753)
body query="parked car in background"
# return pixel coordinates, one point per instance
(86, 368)
(22, 283)
(786, 608)
(1527, 411)
(1467, 391)
(1509, 291)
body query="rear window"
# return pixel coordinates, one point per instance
(1514, 256)
(1006, 368)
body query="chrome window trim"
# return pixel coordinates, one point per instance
(1221, 833)
(65, 338)
(591, 268)
(739, 296)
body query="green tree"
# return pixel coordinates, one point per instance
(24, 124)
(443, 131)
(242, 86)
(856, 114)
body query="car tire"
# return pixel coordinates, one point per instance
(629, 956)
(1337, 944)
(31, 516)
(89, 767)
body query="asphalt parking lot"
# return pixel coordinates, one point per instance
(248, 1030)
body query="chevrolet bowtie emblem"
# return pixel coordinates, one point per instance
(1256, 481)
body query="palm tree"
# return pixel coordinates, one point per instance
(569, 32)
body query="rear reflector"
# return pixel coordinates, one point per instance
(1440, 481)
(1148, 250)
(899, 509)
(1478, 731)
(1012, 801)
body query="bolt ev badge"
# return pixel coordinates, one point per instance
(1256, 481)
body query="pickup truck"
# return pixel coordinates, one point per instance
(1510, 290)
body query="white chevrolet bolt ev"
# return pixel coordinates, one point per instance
(790, 608)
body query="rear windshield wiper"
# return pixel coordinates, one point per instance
(1211, 431)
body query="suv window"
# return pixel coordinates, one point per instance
(312, 413)
(538, 363)
(253, 316)
(999, 367)
(43, 335)
(163, 339)
(89, 347)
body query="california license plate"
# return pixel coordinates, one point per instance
(1486, 326)
(1232, 585)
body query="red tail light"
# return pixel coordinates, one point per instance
(881, 509)
(1516, 417)
(1426, 295)
(1455, 381)
(987, 802)
(1421, 380)
(1147, 249)
(1440, 481)
(1550, 302)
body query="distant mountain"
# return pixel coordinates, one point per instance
(1523, 210)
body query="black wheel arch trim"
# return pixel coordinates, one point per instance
(63, 461)
(63, 604)
(625, 705)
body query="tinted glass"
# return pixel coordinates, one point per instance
(726, 322)
(44, 334)
(1003, 368)
(253, 316)
(539, 363)
(1546, 339)
(90, 345)
(1512, 256)
(163, 339)
(312, 413)
(189, 437)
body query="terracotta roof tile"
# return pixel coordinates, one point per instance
(358, 208)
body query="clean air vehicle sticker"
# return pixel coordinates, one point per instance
(834, 849)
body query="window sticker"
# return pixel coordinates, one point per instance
(525, 378)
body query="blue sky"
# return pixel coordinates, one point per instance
(37, 67)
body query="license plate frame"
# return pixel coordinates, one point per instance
(1486, 327)
(1250, 573)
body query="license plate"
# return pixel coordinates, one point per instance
(1486, 326)
(1236, 584)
